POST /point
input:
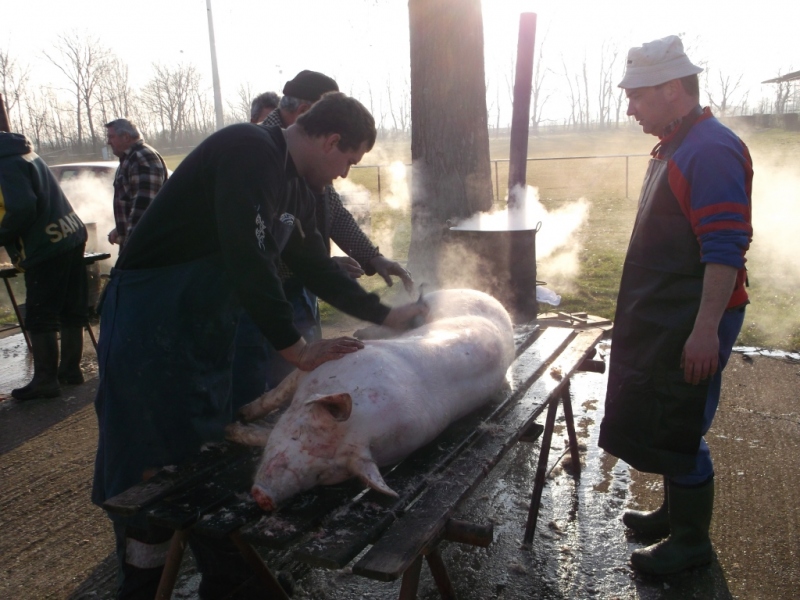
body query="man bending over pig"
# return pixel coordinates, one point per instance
(208, 246)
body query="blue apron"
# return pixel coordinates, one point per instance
(166, 341)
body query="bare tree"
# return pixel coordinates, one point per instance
(449, 130)
(244, 96)
(116, 97)
(721, 98)
(782, 92)
(84, 61)
(538, 95)
(573, 97)
(606, 87)
(168, 94)
(13, 79)
(399, 109)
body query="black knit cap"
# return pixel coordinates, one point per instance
(310, 85)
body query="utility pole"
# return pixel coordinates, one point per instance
(214, 70)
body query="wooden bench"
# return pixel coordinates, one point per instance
(330, 526)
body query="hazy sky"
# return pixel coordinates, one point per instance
(357, 41)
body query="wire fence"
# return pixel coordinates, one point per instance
(500, 167)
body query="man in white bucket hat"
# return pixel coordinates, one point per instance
(680, 305)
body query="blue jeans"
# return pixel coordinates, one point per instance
(729, 327)
(257, 366)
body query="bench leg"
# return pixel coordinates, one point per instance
(541, 470)
(91, 336)
(408, 589)
(573, 438)
(262, 570)
(440, 575)
(18, 313)
(169, 576)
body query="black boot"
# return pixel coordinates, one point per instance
(653, 524)
(688, 544)
(69, 371)
(45, 366)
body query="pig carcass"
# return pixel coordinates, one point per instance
(374, 407)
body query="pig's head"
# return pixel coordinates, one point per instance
(309, 446)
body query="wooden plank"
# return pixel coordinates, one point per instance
(421, 527)
(181, 511)
(353, 528)
(170, 480)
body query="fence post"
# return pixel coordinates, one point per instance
(379, 183)
(496, 183)
(627, 160)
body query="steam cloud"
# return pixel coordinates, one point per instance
(557, 243)
(772, 259)
(92, 199)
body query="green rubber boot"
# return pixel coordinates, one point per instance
(688, 544)
(69, 371)
(44, 347)
(651, 525)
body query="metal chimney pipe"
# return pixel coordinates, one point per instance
(520, 119)
(522, 237)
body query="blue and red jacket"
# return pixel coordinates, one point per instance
(711, 175)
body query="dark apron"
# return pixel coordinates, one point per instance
(166, 340)
(653, 418)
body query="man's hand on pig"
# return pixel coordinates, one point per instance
(350, 265)
(402, 317)
(308, 357)
(386, 268)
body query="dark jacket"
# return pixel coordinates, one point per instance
(239, 194)
(36, 219)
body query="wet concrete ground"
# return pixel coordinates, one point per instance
(580, 549)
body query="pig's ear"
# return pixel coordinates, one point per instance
(337, 406)
(367, 471)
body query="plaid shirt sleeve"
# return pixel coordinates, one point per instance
(347, 234)
(146, 174)
(139, 178)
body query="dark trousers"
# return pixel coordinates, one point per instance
(141, 555)
(57, 293)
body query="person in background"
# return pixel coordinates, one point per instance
(140, 175)
(46, 239)
(262, 105)
(207, 248)
(257, 366)
(681, 303)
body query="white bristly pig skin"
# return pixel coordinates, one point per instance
(374, 407)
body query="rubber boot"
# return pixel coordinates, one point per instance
(688, 544)
(45, 367)
(69, 371)
(653, 524)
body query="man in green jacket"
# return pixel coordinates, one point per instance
(45, 239)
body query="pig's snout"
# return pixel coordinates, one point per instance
(263, 499)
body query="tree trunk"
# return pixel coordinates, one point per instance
(451, 172)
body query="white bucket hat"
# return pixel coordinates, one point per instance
(657, 62)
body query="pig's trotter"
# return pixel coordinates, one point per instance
(272, 399)
(248, 435)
